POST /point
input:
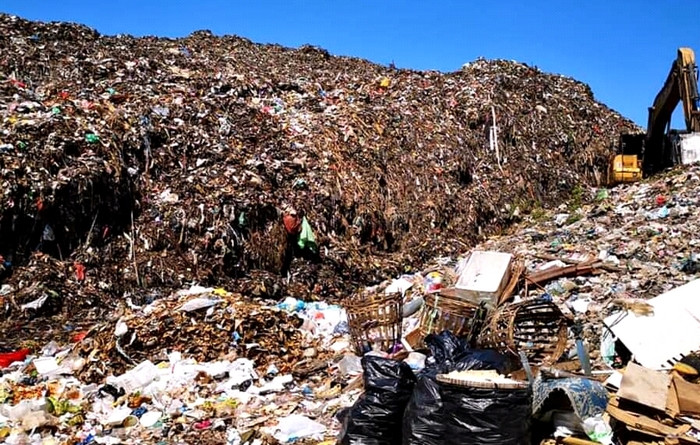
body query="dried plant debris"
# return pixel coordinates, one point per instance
(134, 165)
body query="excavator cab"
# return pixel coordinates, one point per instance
(626, 166)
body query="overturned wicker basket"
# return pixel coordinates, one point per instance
(375, 321)
(536, 327)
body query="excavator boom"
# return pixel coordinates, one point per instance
(689, 90)
(681, 86)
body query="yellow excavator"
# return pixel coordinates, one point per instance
(660, 148)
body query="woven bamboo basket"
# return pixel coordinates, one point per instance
(536, 327)
(446, 312)
(375, 321)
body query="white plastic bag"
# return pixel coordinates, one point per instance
(296, 426)
(598, 430)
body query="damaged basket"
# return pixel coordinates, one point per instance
(536, 327)
(375, 321)
(443, 311)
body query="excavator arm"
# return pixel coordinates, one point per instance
(681, 86)
(689, 91)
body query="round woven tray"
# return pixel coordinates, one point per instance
(466, 383)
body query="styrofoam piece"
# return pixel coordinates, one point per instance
(150, 418)
(658, 341)
(138, 378)
(45, 365)
(117, 416)
(485, 276)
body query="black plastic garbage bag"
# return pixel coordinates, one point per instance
(424, 420)
(449, 353)
(478, 359)
(444, 347)
(376, 418)
(479, 416)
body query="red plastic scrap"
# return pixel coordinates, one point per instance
(292, 224)
(18, 84)
(79, 271)
(203, 425)
(79, 336)
(7, 358)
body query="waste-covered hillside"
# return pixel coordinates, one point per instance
(144, 163)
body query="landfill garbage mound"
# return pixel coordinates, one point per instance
(131, 165)
(622, 263)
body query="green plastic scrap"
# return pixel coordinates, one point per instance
(21, 145)
(56, 110)
(307, 237)
(60, 407)
(92, 138)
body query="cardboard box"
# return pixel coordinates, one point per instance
(484, 276)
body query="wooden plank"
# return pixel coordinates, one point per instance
(547, 275)
(577, 441)
(688, 396)
(646, 424)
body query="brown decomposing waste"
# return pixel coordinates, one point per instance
(152, 163)
(236, 328)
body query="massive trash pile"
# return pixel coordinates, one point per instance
(204, 142)
(182, 220)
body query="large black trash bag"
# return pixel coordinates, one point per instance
(376, 418)
(443, 348)
(482, 359)
(449, 353)
(424, 421)
(479, 416)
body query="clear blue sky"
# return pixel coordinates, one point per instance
(622, 48)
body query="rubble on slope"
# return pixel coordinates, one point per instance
(643, 234)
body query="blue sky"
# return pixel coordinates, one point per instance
(622, 48)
